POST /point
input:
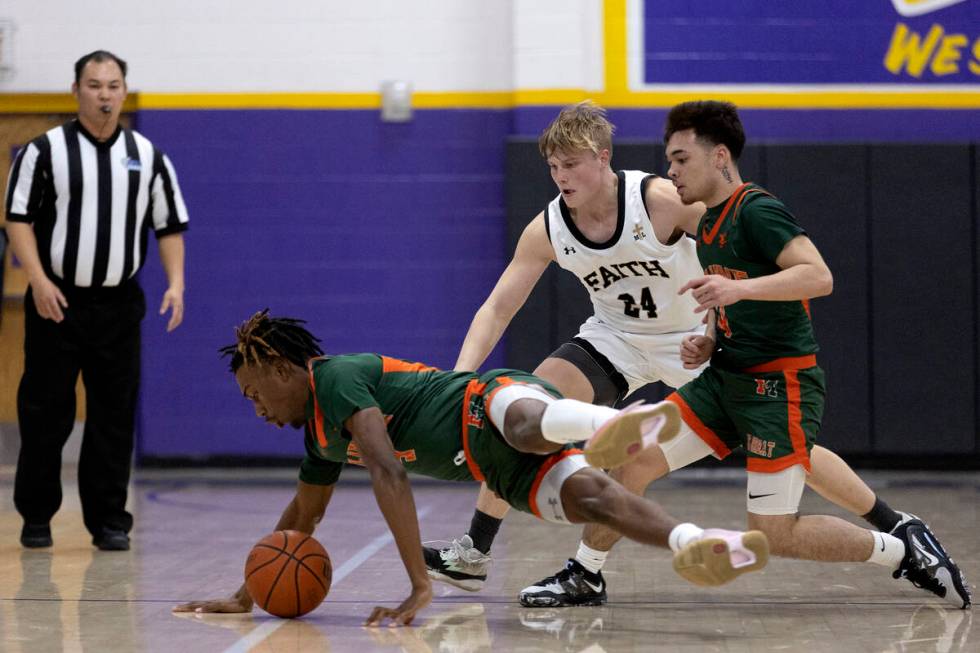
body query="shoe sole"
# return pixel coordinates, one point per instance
(707, 562)
(36, 544)
(555, 602)
(468, 584)
(621, 439)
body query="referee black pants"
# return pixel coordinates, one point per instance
(99, 337)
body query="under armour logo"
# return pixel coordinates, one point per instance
(569, 250)
(553, 502)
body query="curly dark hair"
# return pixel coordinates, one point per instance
(262, 339)
(712, 121)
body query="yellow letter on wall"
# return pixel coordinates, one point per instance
(905, 51)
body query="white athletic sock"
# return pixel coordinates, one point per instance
(590, 558)
(888, 550)
(567, 420)
(682, 535)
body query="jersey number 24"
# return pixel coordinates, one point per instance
(647, 304)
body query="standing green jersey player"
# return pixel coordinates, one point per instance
(763, 390)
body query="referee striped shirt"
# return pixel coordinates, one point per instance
(93, 203)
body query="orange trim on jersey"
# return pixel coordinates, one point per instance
(551, 461)
(473, 387)
(806, 307)
(396, 365)
(708, 238)
(785, 364)
(504, 381)
(710, 437)
(741, 199)
(321, 435)
(795, 418)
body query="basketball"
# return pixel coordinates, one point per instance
(288, 573)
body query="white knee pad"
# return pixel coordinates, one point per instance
(500, 401)
(546, 502)
(685, 448)
(777, 493)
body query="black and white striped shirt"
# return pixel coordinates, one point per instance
(92, 203)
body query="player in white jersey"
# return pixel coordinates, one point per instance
(623, 234)
(633, 279)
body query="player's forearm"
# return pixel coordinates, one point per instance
(485, 331)
(293, 520)
(709, 329)
(23, 242)
(803, 281)
(172, 259)
(394, 497)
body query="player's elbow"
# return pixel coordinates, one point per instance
(825, 284)
(386, 473)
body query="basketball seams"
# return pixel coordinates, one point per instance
(301, 563)
(266, 563)
(282, 569)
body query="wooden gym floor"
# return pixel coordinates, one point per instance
(194, 528)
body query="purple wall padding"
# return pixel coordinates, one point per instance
(385, 237)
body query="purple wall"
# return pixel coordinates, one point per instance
(385, 237)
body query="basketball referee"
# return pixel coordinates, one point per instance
(80, 201)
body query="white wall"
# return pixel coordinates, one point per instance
(200, 46)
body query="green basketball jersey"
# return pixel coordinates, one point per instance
(741, 239)
(422, 408)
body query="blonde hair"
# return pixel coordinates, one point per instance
(582, 126)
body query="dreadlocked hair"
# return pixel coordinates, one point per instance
(262, 339)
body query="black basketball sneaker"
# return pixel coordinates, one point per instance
(573, 585)
(927, 565)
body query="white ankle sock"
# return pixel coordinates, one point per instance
(682, 535)
(567, 420)
(888, 550)
(590, 558)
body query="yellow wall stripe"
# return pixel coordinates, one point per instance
(867, 99)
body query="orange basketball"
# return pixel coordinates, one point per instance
(288, 573)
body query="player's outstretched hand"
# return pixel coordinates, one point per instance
(696, 350)
(403, 614)
(712, 291)
(229, 605)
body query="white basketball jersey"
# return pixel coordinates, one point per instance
(632, 278)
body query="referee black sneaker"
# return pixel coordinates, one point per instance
(927, 565)
(36, 536)
(573, 585)
(111, 539)
(460, 564)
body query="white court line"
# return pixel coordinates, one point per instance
(256, 636)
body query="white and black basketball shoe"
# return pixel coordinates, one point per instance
(927, 565)
(460, 564)
(573, 585)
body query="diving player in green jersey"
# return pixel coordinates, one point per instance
(763, 390)
(506, 427)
